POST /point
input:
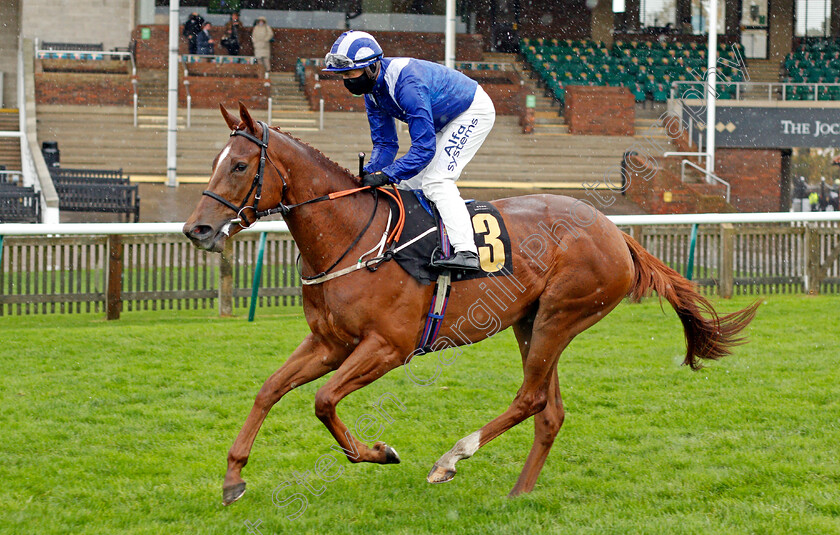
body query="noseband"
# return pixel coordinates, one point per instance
(256, 184)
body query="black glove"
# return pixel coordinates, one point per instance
(376, 179)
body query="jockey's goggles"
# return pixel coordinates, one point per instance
(340, 61)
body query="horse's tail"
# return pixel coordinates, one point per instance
(707, 335)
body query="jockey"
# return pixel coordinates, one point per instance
(448, 117)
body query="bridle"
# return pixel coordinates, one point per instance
(256, 184)
(284, 209)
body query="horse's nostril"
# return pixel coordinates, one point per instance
(200, 232)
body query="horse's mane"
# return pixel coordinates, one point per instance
(319, 156)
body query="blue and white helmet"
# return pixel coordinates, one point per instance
(352, 50)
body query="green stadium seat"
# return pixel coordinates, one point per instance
(660, 93)
(804, 92)
(823, 93)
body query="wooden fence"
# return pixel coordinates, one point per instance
(113, 273)
(751, 259)
(72, 274)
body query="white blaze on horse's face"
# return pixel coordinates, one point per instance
(222, 157)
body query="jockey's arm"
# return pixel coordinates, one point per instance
(415, 100)
(383, 134)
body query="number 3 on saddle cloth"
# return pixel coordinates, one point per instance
(424, 239)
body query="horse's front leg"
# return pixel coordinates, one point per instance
(370, 360)
(309, 361)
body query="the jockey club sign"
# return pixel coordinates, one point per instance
(768, 127)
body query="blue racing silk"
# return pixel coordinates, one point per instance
(422, 94)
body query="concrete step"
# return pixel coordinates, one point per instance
(499, 57)
(766, 70)
(508, 157)
(9, 121)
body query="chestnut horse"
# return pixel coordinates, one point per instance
(571, 267)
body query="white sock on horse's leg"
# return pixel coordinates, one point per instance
(463, 449)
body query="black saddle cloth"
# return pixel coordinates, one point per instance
(490, 232)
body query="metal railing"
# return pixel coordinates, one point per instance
(189, 99)
(775, 90)
(216, 58)
(134, 98)
(81, 55)
(17, 176)
(460, 65)
(95, 267)
(483, 66)
(35, 170)
(708, 175)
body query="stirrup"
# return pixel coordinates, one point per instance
(462, 260)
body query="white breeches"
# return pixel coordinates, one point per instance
(457, 143)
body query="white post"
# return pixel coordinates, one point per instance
(172, 120)
(690, 130)
(710, 80)
(321, 114)
(449, 47)
(268, 87)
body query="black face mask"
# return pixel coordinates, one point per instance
(361, 84)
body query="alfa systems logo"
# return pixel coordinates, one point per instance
(455, 144)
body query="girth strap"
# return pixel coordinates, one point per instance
(434, 319)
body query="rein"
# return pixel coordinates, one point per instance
(285, 209)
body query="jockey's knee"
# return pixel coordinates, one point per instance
(441, 189)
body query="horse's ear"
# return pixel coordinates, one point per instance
(246, 118)
(230, 119)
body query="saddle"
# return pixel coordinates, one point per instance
(424, 239)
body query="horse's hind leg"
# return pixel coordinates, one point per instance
(308, 362)
(551, 334)
(546, 426)
(546, 423)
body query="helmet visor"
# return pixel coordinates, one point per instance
(340, 61)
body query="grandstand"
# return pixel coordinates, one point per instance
(646, 68)
(817, 62)
(101, 92)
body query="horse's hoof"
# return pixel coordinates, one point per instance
(440, 474)
(391, 456)
(231, 494)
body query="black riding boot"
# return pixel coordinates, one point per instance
(462, 260)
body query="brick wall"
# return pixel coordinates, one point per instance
(658, 189)
(601, 111)
(209, 91)
(104, 66)
(291, 43)
(504, 89)
(755, 176)
(225, 70)
(86, 89)
(331, 88)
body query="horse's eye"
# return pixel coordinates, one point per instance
(241, 166)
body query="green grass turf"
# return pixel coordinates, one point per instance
(123, 427)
